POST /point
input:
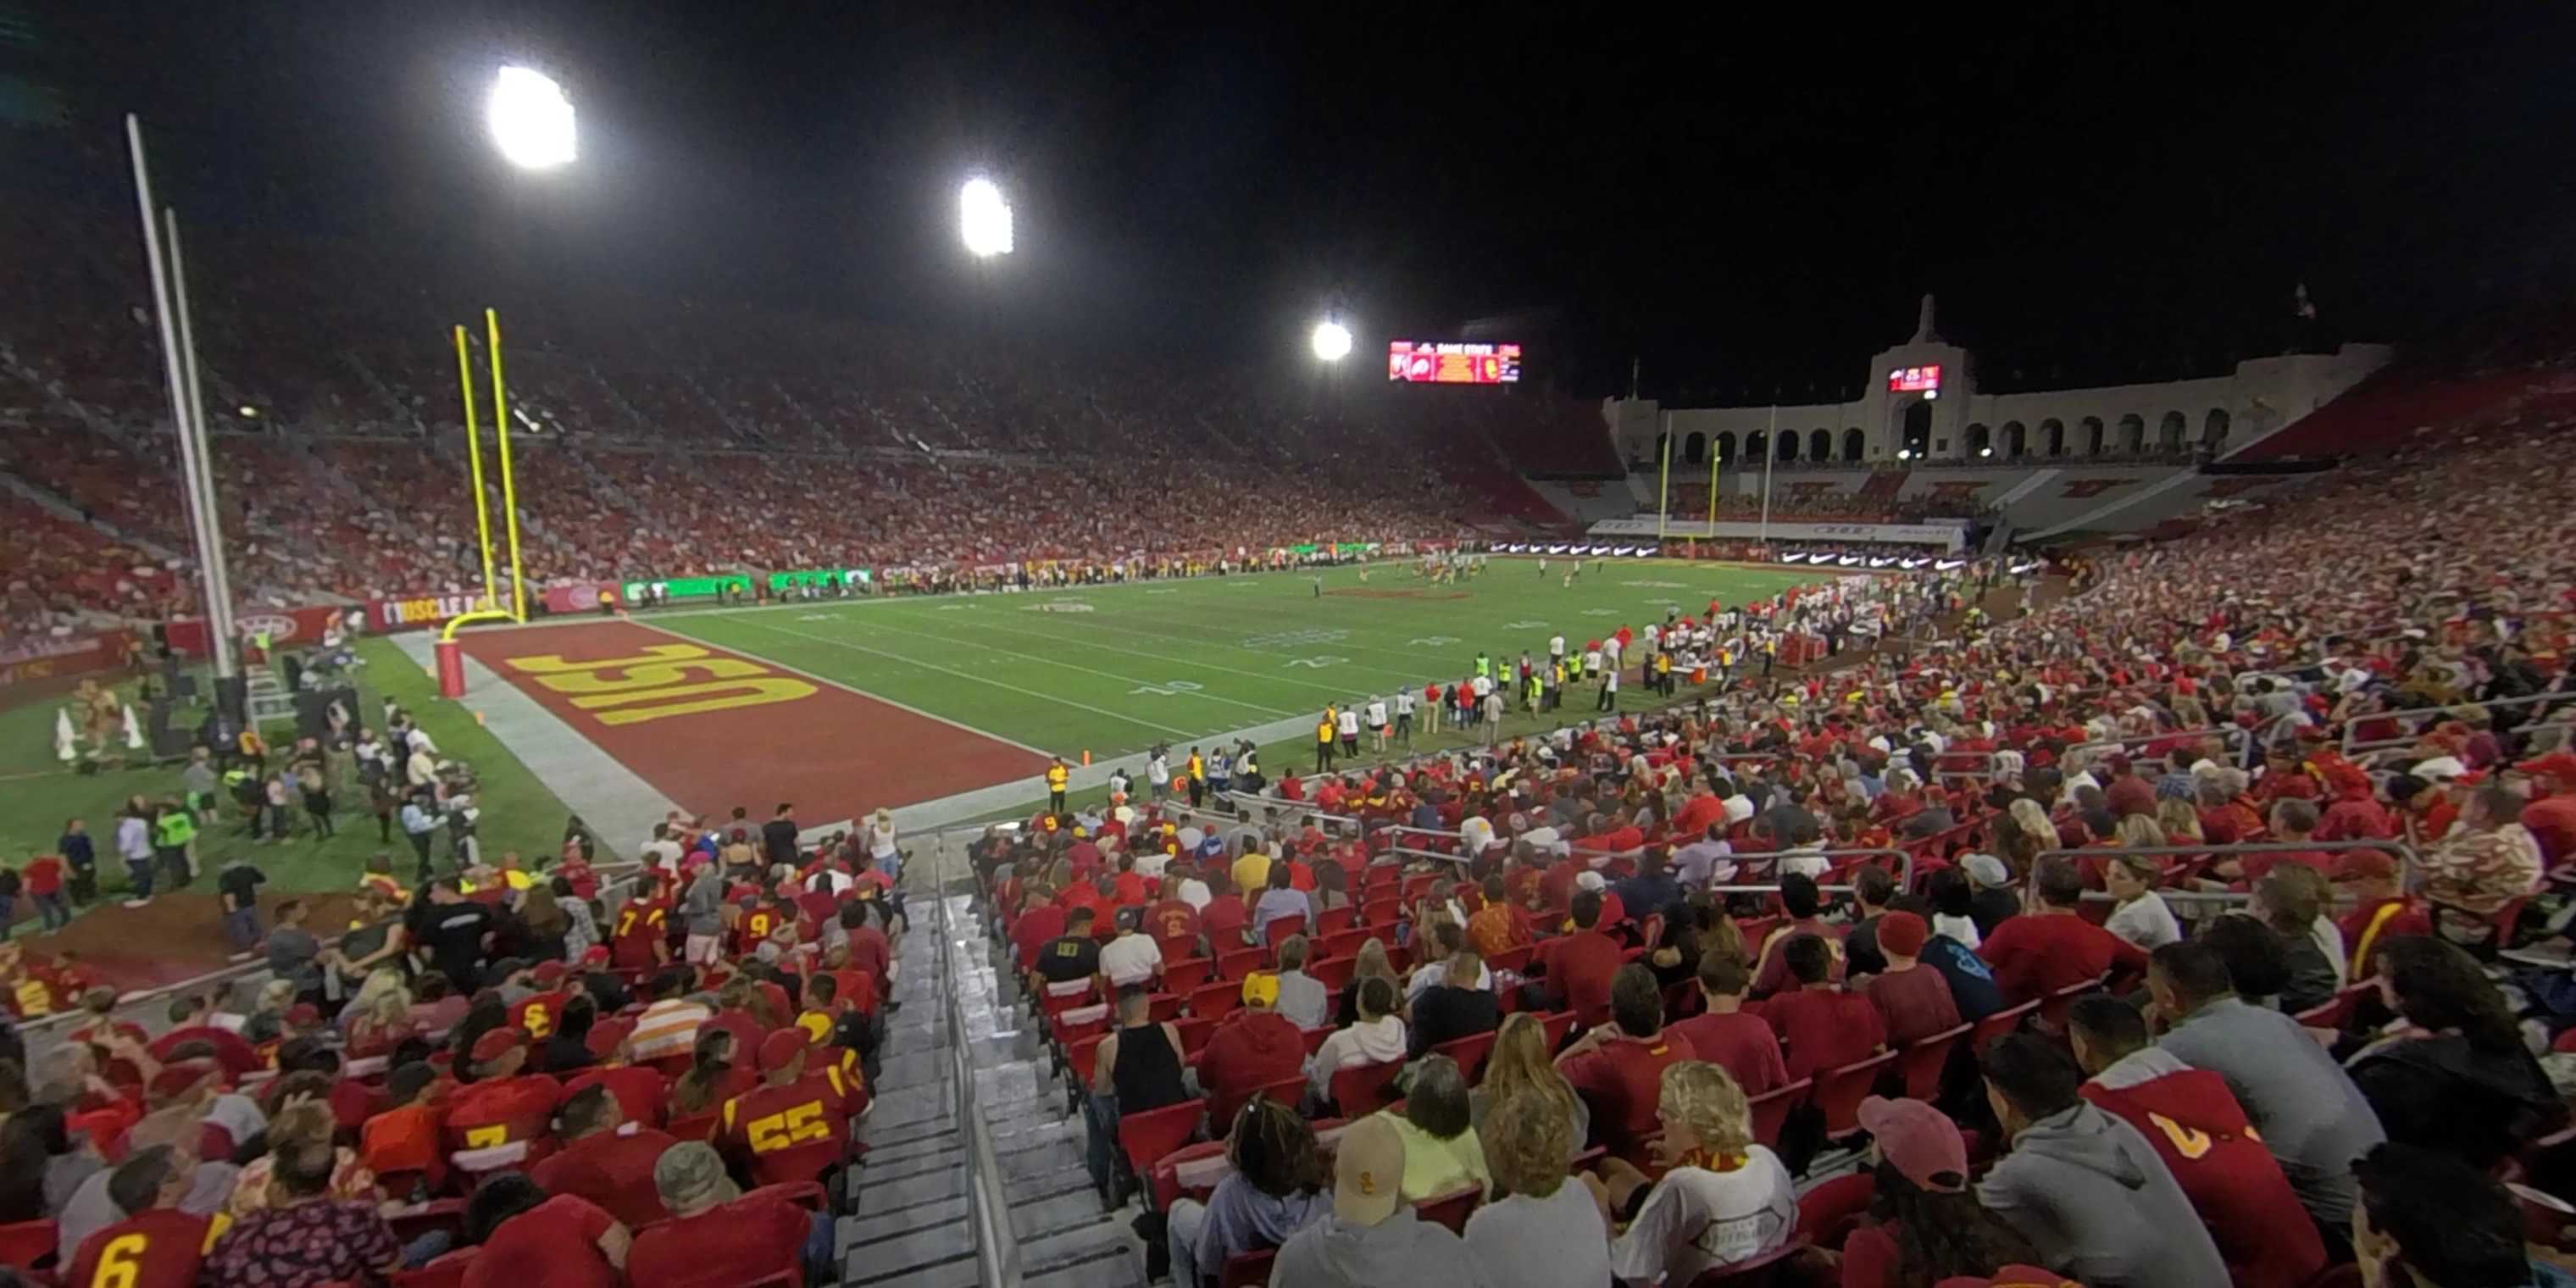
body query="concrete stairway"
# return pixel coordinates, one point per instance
(913, 1222)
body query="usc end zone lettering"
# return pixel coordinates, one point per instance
(660, 682)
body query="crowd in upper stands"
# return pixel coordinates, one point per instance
(648, 433)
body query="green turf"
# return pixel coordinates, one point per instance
(1184, 661)
(36, 794)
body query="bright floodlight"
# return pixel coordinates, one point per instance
(531, 120)
(984, 219)
(1332, 341)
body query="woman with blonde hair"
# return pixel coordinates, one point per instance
(2181, 822)
(1536, 1230)
(1371, 962)
(2136, 830)
(1726, 1199)
(379, 1017)
(303, 1118)
(1519, 1065)
(2032, 818)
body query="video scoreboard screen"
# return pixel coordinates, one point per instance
(1453, 363)
(1914, 380)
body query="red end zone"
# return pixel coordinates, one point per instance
(714, 728)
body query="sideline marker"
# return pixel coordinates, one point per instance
(1086, 756)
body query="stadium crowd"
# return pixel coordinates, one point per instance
(492, 1078)
(1964, 937)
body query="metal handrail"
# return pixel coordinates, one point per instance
(2436, 714)
(997, 1245)
(2243, 736)
(1904, 874)
(2408, 862)
(146, 1008)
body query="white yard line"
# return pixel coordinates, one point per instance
(1044, 660)
(973, 678)
(769, 661)
(986, 625)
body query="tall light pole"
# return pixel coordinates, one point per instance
(1332, 340)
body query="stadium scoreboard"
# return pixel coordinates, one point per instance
(1453, 363)
(1909, 380)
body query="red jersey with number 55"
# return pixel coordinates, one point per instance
(639, 927)
(791, 1132)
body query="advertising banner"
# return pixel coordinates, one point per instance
(418, 612)
(1944, 535)
(578, 597)
(33, 662)
(686, 587)
(284, 626)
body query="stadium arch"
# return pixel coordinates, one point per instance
(2092, 435)
(2133, 433)
(1788, 446)
(2016, 440)
(2052, 437)
(1855, 445)
(1820, 445)
(2170, 431)
(1726, 447)
(1695, 449)
(1979, 439)
(2213, 428)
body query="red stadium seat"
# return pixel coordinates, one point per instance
(1185, 974)
(1216, 1000)
(1771, 1109)
(1921, 1063)
(1147, 1136)
(1469, 1053)
(1366, 1088)
(1839, 1092)
(1451, 1209)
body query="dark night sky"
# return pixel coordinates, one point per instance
(1744, 200)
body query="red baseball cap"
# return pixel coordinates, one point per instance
(2356, 865)
(179, 1079)
(1919, 1141)
(493, 1045)
(2557, 764)
(303, 1015)
(548, 973)
(606, 1035)
(780, 1047)
(595, 955)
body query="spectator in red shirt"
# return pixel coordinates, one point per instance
(1913, 1002)
(162, 1246)
(2052, 946)
(1618, 1068)
(2550, 817)
(601, 1163)
(1224, 918)
(718, 1236)
(1041, 923)
(642, 1093)
(2205, 1140)
(44, 881)
(793, 1126)
(1799, 895)
(1250, 1048)
(2380, 912)
(529, 1238)
(2293, 821)
(188, 1023)
(1728, 1036)
(1822, 1026)
(1579, 966)
(502, 1106)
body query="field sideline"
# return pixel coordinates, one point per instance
(1114, 669)
(951, 705)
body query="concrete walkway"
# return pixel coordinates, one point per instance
(620, 807)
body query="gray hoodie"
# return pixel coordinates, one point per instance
(2309, 1113)
(2092, 1196)
(1401, 1250)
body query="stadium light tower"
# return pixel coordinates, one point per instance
(1332, 341)
(530, 119)
(984, 218)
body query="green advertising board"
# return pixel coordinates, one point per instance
(687, 587)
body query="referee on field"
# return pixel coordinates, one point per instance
(1057, 776)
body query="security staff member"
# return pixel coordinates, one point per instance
(1057, 776)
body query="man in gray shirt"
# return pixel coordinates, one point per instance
(704, 910)
(2308, 1112)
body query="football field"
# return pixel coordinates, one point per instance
(847, 705)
